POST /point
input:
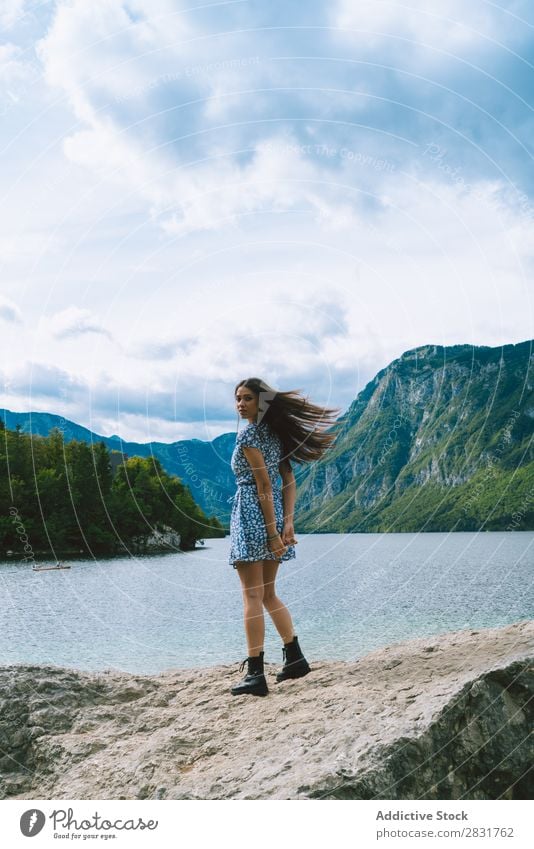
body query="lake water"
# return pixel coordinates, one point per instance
(348, 594)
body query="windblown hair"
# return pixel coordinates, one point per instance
(294, 419)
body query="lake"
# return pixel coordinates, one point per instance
(348, 594)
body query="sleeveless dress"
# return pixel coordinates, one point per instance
(248, 535)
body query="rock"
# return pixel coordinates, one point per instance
(166, 539)
(441, 718)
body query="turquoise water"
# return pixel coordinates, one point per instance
(348, 594)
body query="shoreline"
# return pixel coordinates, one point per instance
(10, 559)
(187, 670)
(10, 554)
(446, 716)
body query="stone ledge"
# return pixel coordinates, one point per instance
(446, 717)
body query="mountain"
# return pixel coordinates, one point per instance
(202, 466)
(439, 440)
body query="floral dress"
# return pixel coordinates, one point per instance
(248, 534)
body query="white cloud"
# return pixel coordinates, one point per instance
(279, 176)
(163, 348)
(37, 381)
(136, 148)
(29, 243)
(107, 406)
(72, 322)
(9, 311)
(180, 199)
(450, 25)
(12, 68)
(17, 75)
(106, 49)
(11, 12)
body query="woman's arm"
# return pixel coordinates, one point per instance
(265, 494)
(289, 496)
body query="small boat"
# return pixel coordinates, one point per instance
(51, 568)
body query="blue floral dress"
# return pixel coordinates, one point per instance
(248, 535)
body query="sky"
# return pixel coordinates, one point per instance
(195, 193)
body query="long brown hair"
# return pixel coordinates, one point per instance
(294, 419)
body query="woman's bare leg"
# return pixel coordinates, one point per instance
(251, 577)
(274, 606)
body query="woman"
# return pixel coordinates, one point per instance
(281, 426)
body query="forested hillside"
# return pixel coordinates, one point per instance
(60, 497)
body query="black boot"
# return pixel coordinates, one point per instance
(295, 664)
(254, 682)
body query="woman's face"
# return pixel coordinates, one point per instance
(246, 403)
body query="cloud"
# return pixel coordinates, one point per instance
(31, 381)
(11, 12)
(73, 321)
(445, 25)
(182, 118)
(11, 66)
(103, 51)
(163, 349)
(16, 247)
(17, 75)
(99, 402)
(165, 144)
(9, 311)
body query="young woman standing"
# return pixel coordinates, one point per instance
(282, 426)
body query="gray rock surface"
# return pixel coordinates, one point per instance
(166, 539)
(439, 718)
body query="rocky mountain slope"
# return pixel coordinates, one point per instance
(441, 439)
(447, 717)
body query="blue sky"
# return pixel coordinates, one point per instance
(195, 193)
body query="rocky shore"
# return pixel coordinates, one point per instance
(438, 718)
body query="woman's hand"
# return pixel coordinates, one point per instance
(276, 546)
(288, 534)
